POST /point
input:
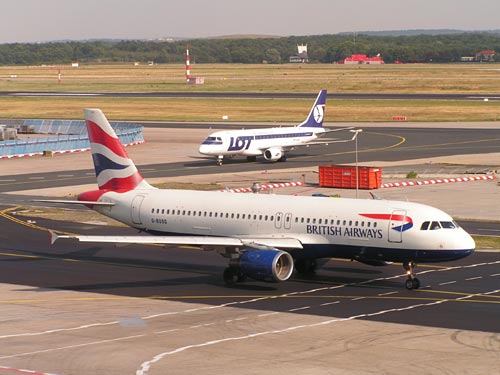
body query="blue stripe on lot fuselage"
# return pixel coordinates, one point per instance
(284, 135)
(102, 163)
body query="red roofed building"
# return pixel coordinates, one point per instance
(486, 55)
(362, 59)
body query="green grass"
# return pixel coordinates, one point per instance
(487, 243)
(411, 78)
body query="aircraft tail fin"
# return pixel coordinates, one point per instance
(315, 118)
(114, 169)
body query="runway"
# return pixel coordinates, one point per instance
(253, 95)
(66, 308)
(376, 144)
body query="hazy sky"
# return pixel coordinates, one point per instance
(44, 20)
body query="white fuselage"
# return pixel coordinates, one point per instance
(253, 142)
(327, 227)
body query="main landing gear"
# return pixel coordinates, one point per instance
(411, 282)
(233, 275)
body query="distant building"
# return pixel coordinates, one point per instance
(362, 59)
(301, 56)
(486, 56)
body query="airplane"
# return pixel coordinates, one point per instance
(265, 237)
(272, 143)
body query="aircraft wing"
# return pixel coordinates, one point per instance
(328, 131)
(207, 241)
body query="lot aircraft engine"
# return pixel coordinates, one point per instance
(273, 154)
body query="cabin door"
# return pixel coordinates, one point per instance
(136, 209)
(396, 225)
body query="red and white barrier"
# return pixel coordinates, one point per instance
(60, 151)
(438, 181)
(264, 187)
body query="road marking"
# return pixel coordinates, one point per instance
(329, 303)
(387, 294)
(449, 282)
(474, 278)
(300, 308)
(146, 366)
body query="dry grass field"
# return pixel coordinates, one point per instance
(309, 78)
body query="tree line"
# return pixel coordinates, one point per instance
(321, 49)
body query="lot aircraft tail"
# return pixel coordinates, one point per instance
(315, 118)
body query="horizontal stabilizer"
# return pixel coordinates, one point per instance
(62, 201)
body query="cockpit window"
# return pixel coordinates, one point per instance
(425, 225)
(447, 224)
(435, 225)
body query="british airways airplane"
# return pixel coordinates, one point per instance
(272, 143)
(264, 236)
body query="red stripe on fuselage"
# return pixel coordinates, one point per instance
(388, 217)
(97, 135)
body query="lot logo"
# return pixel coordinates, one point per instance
(239, 143)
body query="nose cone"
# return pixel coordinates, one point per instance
(204, 149)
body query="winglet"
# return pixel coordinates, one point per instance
(54, 236)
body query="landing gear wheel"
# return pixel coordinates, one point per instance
(282, 159)
(219, 162)
(233, 275)
(252, 159)
(411, 282)
(306, 266)
(230, 276)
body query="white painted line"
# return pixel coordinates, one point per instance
(65, 175)
(357, 299)
(449, 282)
(474, 278)
(300, 308)
(329, 303)
(36, 178)
(386, 294)
(268, 314)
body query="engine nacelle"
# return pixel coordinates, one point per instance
(273, 154)
(266, 265)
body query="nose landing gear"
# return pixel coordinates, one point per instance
(219, 160)
(411, 282)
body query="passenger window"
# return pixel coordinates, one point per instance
(435, 225)
(152, 210)
(425, 225)
(375, 224)
(162, 211)
(320, 221)
(314, 221)
(301, 219)
(308, 220)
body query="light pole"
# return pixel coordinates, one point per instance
(355, 138)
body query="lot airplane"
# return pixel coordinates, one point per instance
(272, 143)
(264, 236)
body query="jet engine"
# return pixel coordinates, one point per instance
(273, 154)
(266, 265)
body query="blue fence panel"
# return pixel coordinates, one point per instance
(73, 136)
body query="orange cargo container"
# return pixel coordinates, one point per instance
(344, 177)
